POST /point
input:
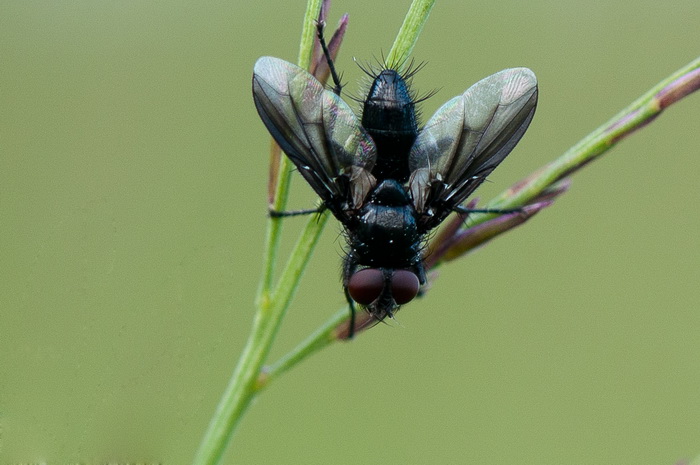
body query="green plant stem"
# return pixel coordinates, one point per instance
(323, 336)
(600, 140)
(279, 203)
(243, 384)
(241, 387)
(411, 28)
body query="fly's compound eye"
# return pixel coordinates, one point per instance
(366, 285)
(404, 286)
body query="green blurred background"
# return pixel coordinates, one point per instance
(132, 217)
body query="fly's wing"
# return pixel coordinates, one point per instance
(466, 139)
(318, 131)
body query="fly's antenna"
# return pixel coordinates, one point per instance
(337, 87)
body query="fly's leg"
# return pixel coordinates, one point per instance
(279, 214)
(351, 304)
(337, 86)
(466, 211)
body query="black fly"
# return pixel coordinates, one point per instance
(387, 181)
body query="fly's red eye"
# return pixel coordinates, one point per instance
(366, 285)
(404, 286)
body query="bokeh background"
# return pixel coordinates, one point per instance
(132, 217)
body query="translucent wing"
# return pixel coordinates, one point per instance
(466, 139)
(318, 131)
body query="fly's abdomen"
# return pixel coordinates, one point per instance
(389, 116)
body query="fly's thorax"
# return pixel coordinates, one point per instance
(386, 234)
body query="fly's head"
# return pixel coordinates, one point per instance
(383, 290)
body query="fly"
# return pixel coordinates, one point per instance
(386, 180)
